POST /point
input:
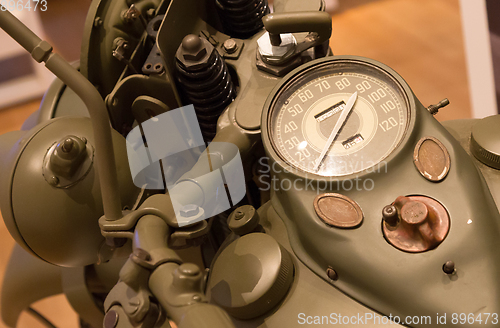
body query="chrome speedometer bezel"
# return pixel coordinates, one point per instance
(299, 74)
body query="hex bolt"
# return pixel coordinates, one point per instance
(390, 214)
(111, 319)
(332, 274)
(190, 210)
(449, 267)
(84, 140)
(230, 46)
(54, 181)
(67, 145)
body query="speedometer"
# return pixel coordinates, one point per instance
(337, 117)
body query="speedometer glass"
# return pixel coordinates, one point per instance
(338, 117)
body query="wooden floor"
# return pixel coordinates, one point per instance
(421, 39)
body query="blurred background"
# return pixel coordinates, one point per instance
(421, 39)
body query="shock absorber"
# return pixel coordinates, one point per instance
(204, 81)
(242, 18)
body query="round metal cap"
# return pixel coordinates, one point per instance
(243, 220)
(484, 144)
(251, 276)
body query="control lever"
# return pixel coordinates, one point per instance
(319, 24)
(278, 51)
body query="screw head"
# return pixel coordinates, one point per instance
(332, 274)
(449, 267)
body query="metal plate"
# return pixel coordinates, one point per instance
(338, 210)
(431, 159)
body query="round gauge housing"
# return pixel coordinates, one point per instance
(304, 109)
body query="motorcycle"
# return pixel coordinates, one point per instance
(298, 188)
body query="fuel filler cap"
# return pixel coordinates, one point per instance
(251, 276)
(485, 141)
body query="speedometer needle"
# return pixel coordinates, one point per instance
(336, 129)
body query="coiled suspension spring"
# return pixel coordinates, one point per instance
(205, 82)
(242, 18)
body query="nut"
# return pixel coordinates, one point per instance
(41, 51)
(190, 210)
(194, 52)
(276, 54)
(193, 48)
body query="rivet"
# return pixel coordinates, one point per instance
(449, 267)
(332, 274)
(54, 181)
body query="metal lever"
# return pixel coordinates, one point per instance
(318, 23)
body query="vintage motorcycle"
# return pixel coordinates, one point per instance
(299, 188)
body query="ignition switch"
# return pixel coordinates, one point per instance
(415, 224)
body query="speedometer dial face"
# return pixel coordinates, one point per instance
(309, 106)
